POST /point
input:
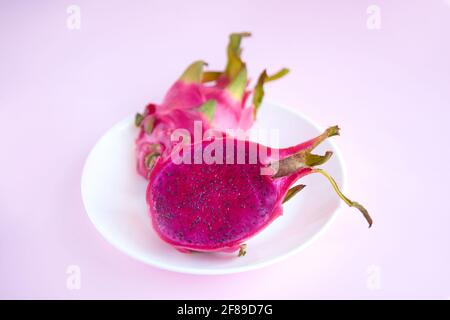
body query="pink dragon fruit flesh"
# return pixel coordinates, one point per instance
(219, 99)
(215, 206)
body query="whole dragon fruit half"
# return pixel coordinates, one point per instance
(219, 99)
(216, 203)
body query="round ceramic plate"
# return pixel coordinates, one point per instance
(114, 198)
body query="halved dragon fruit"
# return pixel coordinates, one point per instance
(219, 99)
(201, 205)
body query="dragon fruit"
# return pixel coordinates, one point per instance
(219, 99)
(213, 206)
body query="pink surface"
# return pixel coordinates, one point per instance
(388, 89)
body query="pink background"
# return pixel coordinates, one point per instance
(388, 89)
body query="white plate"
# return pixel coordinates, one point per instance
(114, 198)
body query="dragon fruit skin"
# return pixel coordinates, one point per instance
(231, 111)
(218, 99)
(216, 207)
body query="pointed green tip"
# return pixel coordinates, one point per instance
(333, 131)
(138, 118)
(235, 63)
(149, 124)
(242, 250)
(241, 34)
(208, 109)
(193, 73)
(278, 75)
(150, 159)
(312, 160)
(292, 192)
(235, 39)
(258, 93)
(237, 87)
